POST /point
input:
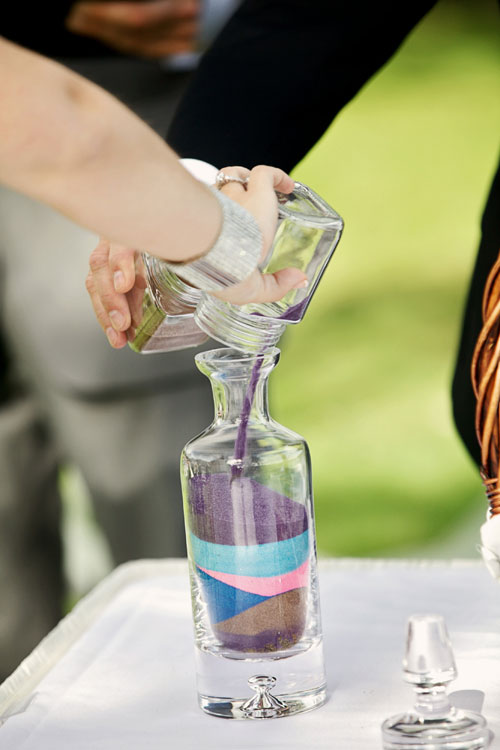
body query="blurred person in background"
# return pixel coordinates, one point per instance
(66, 398)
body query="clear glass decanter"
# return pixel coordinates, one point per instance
(251, 548)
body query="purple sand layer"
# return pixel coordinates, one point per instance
(273, 625)
(239, 510)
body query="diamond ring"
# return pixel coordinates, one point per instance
(223, 179)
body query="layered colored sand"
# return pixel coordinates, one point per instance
(250, 546)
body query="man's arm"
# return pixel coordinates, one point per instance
(280, 72)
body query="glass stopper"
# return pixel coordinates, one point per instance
(433, 723)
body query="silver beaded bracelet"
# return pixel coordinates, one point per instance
(233, 256)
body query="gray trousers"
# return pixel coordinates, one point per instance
(120, 417)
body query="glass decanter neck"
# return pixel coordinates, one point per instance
(239, 382)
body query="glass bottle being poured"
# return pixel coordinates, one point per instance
(307, 234)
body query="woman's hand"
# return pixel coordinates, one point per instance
(258, 196)
(116, 280)
(116, 284)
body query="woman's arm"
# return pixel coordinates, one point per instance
(70, 144)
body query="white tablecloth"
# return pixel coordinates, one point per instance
(118, 673)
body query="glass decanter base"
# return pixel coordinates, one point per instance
(457, 730)
(261, 688)
(278, 707)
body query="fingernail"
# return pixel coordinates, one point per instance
(118, 280)
(117, 319)
(301, 285)
(112, 336)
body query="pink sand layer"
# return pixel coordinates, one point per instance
(264, 586)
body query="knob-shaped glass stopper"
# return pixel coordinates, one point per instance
(433, 723)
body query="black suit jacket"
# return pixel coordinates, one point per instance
(280, 71)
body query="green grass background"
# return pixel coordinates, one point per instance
(366, 376)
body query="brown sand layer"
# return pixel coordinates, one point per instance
(275, 623)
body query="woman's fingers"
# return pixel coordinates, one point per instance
(269, 287)
(276, 285)
(260, 177)
(113, 267)
(117, 339)
(134, 301)
(122, 263)
(114, 303)
(263, 177)
(258, 196)
(235, 190)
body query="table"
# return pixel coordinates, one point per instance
(118, 674)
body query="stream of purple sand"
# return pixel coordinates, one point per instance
(293, 313)
(241, 436)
